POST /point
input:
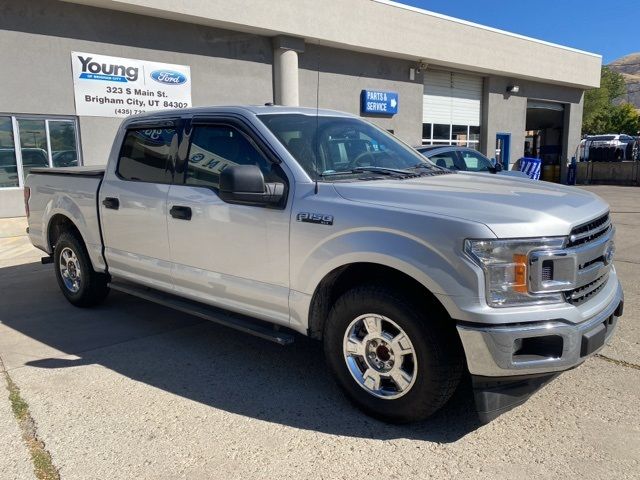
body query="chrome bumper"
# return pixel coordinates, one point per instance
(537, 347)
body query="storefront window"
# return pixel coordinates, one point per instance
(62, 135)
(441, 131)
(8, 161)
(39, 142)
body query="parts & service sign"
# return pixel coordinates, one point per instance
(118, 87)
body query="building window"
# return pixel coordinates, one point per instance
(28, 142)
(446, 134)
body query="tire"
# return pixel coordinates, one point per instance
(79, 282)
(430, 363)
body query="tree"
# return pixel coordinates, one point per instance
(603, 111)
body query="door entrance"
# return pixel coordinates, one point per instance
(503, 149)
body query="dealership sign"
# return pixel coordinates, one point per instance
(376, 102)
(118, 87)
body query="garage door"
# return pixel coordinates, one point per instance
(451, 108)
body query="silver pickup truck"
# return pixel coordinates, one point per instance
(276, 220)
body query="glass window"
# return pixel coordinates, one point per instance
(146, 155)
(329, 146)
(62, 137)
(8, 163)
(33, 145)
(441, 131)
(426, 131)
(215, 147)
(459, 135)
(445, 160)
(475, 162)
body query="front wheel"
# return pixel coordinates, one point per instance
(79, 282)
(396, 361)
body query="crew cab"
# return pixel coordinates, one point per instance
(282, 221)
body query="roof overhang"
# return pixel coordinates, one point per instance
(385, 28)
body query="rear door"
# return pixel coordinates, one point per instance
(133, 204)
(232, 256)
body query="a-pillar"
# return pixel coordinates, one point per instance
(285, 70)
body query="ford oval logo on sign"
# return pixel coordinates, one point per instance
(168, 77)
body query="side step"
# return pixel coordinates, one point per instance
(228, 319)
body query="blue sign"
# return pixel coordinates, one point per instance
(169, 77)
(376, 102)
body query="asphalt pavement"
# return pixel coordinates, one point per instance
(134, 390)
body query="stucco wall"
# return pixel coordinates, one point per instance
(343, 75)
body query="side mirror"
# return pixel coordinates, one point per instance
(244, 184)
(496, 166)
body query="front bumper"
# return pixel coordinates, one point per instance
(538, 347)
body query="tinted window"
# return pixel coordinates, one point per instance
(475, 162)
(216, 147)
(445, 160)
(146, 155)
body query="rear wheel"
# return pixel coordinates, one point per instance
(79, 282)
(394, 360)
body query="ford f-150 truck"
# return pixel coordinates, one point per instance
(276, 220)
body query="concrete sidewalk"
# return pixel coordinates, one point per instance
(134, 390)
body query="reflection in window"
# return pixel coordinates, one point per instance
(62, 136)
(8, 163)
(33, 145)
(145, 155)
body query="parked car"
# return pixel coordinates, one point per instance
(65, 158)
(608, 148)
(464, 159)
(323, 224)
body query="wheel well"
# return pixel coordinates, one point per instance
(58, 225)
(340, 280)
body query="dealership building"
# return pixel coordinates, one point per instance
(73, 69)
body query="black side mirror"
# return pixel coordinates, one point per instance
(495, 166)
(244, 184)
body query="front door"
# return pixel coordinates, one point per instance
(232, 256)
(133, 206)
(503, 149)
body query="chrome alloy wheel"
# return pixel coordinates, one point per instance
(380, 356)
(70, 270)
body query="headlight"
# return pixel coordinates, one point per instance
(506, 269)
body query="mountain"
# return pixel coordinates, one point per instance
(629, 67)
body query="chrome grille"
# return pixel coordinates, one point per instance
(590, 231)
(582, 294)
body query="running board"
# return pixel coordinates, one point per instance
(228, 319)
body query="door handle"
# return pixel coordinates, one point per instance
(180, 212)
(111, 202)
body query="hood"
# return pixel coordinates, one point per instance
(510, 207)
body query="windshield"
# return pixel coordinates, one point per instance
(329, 147)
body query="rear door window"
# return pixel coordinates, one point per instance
(474, 162)
(147, 155)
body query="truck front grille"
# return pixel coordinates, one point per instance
(590, 231)
(582, 294)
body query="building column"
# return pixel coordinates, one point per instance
(285, 70)
(572, 134)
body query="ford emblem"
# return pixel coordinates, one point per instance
(608, 254)
(168, 77)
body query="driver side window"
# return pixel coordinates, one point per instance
(475, 162)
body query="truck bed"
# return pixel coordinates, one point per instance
(79, 171)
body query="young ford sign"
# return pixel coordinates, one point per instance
(374, 102)
(118, 87)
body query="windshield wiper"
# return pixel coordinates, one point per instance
(432, 169)
(382, 170)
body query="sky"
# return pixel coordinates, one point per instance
(609, 28)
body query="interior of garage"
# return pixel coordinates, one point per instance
(544, 136)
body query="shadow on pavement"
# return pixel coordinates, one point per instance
(200, 360)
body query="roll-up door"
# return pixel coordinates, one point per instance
(452, 98)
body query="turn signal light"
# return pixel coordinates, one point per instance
(520, 273)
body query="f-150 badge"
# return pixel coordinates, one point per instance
(318, 218)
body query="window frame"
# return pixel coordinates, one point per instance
(468, 143)
(164, 123)
(16, 117)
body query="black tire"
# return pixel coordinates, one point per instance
(437, 347)
(93, 286)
